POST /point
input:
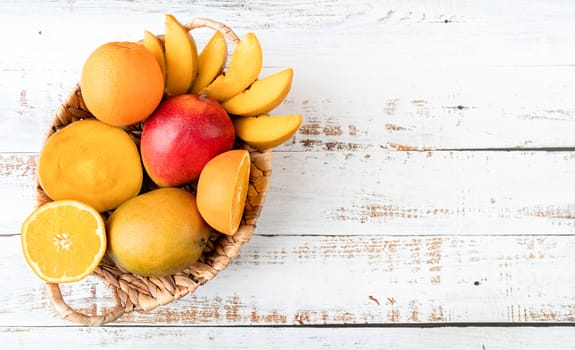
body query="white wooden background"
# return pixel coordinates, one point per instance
(428, 201)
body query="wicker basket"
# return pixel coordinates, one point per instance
(132, 292)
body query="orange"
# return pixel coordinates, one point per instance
(92, 162)
(122, 83)
(157, 233)
(63, 241)
(222, 190)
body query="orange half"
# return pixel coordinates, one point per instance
(63, 241)
(222, 190)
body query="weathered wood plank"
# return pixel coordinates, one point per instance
(334, 280)
(370, 75)
(290, 338)
(421, 192)
(384, 192)
(394, 109)
(353, 232)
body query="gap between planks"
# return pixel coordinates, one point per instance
(423, 325)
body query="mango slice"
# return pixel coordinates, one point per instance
(181, 57)
(156, 47)
(245, 66)
(262, 96)
(211, 62)
(265, 131)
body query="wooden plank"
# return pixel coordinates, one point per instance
(479, 80)
(334, 280)
(353, 232)
(452, 108)
(384, 192)
(420, 192)
(290, 338)
(396, 109)
(503, 26)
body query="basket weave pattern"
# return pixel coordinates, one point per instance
(132, 292)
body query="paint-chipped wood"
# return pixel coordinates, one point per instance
(534, 117)
(334, 280)
(456, 338)
(421, 84)
(384, 192)
(429, 184)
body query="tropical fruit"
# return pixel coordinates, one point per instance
(266, 131)
(222, 190)
(245, 66)
(156, 46)
(237, 88)
(63, 241)
(186, 112)
(157, 233)
(262, 96)
(182, 135)
(211, 62)
(92, 162)
(122, 83)
(181, 57)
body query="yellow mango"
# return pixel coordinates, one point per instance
(245, 66)
(265, 131)
(211, 62)
(181, 57)
(262, 96)
(156, 47)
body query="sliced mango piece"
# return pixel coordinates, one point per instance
(211, 62)
(262, 96)
(156, 47)
(181, 57)
(245, 66)
(266, 131)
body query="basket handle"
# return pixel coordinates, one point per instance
(66, 312)
(200, 22)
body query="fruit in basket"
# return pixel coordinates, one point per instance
(244, 68)
(181, 57)
(211, 62)
(92, 162)
(157, 233)
(156, 46)
(182, 135)
(222, 190)
(262, 96)
(263, 132)
(63, 241)
(122, 83)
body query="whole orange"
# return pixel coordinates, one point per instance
(92, 162)
(122, 83)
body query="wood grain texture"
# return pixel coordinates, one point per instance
(451, 75)
(289, 338)
(359, 280)
(431, 182)
(384, 192)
